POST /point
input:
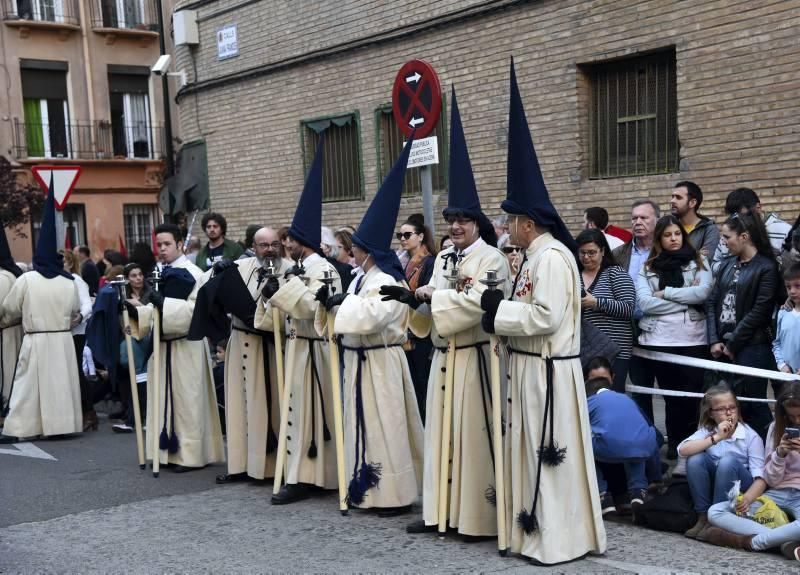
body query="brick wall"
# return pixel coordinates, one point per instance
(737, 80)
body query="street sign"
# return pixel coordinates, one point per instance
(423, 152)
(416, 98)
(64, 180)
(227, 42)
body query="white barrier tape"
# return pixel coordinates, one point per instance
(673, 393)
(715, 365)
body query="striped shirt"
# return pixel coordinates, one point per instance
(616, 299)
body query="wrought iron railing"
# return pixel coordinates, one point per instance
(125, 14)
(99, 140)
(52, 11)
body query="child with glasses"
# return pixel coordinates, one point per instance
(722, 450)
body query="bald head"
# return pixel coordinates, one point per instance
(266, 244)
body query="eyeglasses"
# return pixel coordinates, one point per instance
(273, 245)
(726, 409)
(461, 221)
(588, 253)
(405, 235)
(511, 250)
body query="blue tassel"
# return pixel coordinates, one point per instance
(553, 455)
(312, 450)
(174, 444)
(365, 479)
(527, 521)
(491, 495)
(163, 439)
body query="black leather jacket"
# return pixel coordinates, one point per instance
(757, 291)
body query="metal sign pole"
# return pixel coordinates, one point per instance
(427, 196)
(61, 230)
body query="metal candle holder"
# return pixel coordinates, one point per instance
(329, 279)
(451, 275)
(491, 280)
(119, 283)
(155, 279)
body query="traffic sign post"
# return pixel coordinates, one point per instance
(416, 106)
(64, 179)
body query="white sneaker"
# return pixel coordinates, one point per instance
(122, 428)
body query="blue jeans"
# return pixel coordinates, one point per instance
(757, 415)
(710, 481)
(787, 499)
(637, 471)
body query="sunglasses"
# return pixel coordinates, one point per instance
(404, 235)
(510, 250)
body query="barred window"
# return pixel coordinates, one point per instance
(140, 220)
(633, 117)
(390, 144)
(341, 170)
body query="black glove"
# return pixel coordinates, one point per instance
(322, 295)
(334, 300)
(270, 288)
(401, 294)
(222, 265)
(490, 301)
(157, 299)
(295, 270)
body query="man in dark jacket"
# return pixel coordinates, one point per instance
(685, 204)
(218, 248)
(89, 271)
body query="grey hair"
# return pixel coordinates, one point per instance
(651, 203)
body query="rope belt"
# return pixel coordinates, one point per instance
(326, 434)
(171, 339)
(365, 475)
(169, 441)
(48, 331)
(250, 331)
(467, 346)
(552, 454)
(17, 324)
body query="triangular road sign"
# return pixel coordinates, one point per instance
(64, 180)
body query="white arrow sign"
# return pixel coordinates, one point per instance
(64, 180)
(28, 450)
(416, 122)
(415, 78)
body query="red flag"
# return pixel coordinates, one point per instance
(153, 242)
(122, 249)
(67, 241)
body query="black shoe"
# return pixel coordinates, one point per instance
(672, 452)
(476, 538)
(607, 506)
(393, 511)
(420, 527)
(5, 439)
(290, 493)
(231, 478)
(184, 469)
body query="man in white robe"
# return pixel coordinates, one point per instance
(10, 332)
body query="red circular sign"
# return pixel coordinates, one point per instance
(416, 98)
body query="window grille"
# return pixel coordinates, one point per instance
(140, 220)
(633, 117)
(341, 170)
(390, 144)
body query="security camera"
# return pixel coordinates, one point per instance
(161, 66)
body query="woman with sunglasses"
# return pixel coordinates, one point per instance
(417, 241)
(514, 255)
(724, 449)
(608, 298)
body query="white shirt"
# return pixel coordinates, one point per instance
(745, 444)
(613, 241)
(86, 304)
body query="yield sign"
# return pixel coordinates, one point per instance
(416, 99)
(64, 179)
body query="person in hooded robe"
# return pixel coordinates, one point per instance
(554, 512)
(446, 311)
(383, 429)
(45, 391)
(190, 436)
(10, 331)
(310, 449)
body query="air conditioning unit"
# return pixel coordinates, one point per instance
(184, 25)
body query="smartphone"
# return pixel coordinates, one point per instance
(793, 432)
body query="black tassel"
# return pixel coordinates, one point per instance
(491, 495)
(163, 439)
(174, 444)
(326, 433)
(527, 521)
(272, 441)
(553, 455)
(365, 479)
(312, 450)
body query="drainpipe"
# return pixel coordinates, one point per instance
(87, 63)
(165, 96)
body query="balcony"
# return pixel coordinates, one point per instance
(59, 15)
(125, 17)
(100, 140)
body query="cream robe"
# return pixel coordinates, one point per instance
(296, 300)
(196, 416)
(10, 340)
(246, 417)
(47, 395)
(457, 313)
(393, 426)
(544, 318)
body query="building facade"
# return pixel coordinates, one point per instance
(623, 97)
(78, 91)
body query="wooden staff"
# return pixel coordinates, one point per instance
(276, 330)
(447, 417)
(491, 282)
(120, 284)
(156, 279)
(338, 428)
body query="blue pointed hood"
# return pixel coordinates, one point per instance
(462, 193)
(47, 261)
(527, 194)
(6, 261)
(375, 232)
(307, 223)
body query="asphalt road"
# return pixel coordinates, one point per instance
(91, 510)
